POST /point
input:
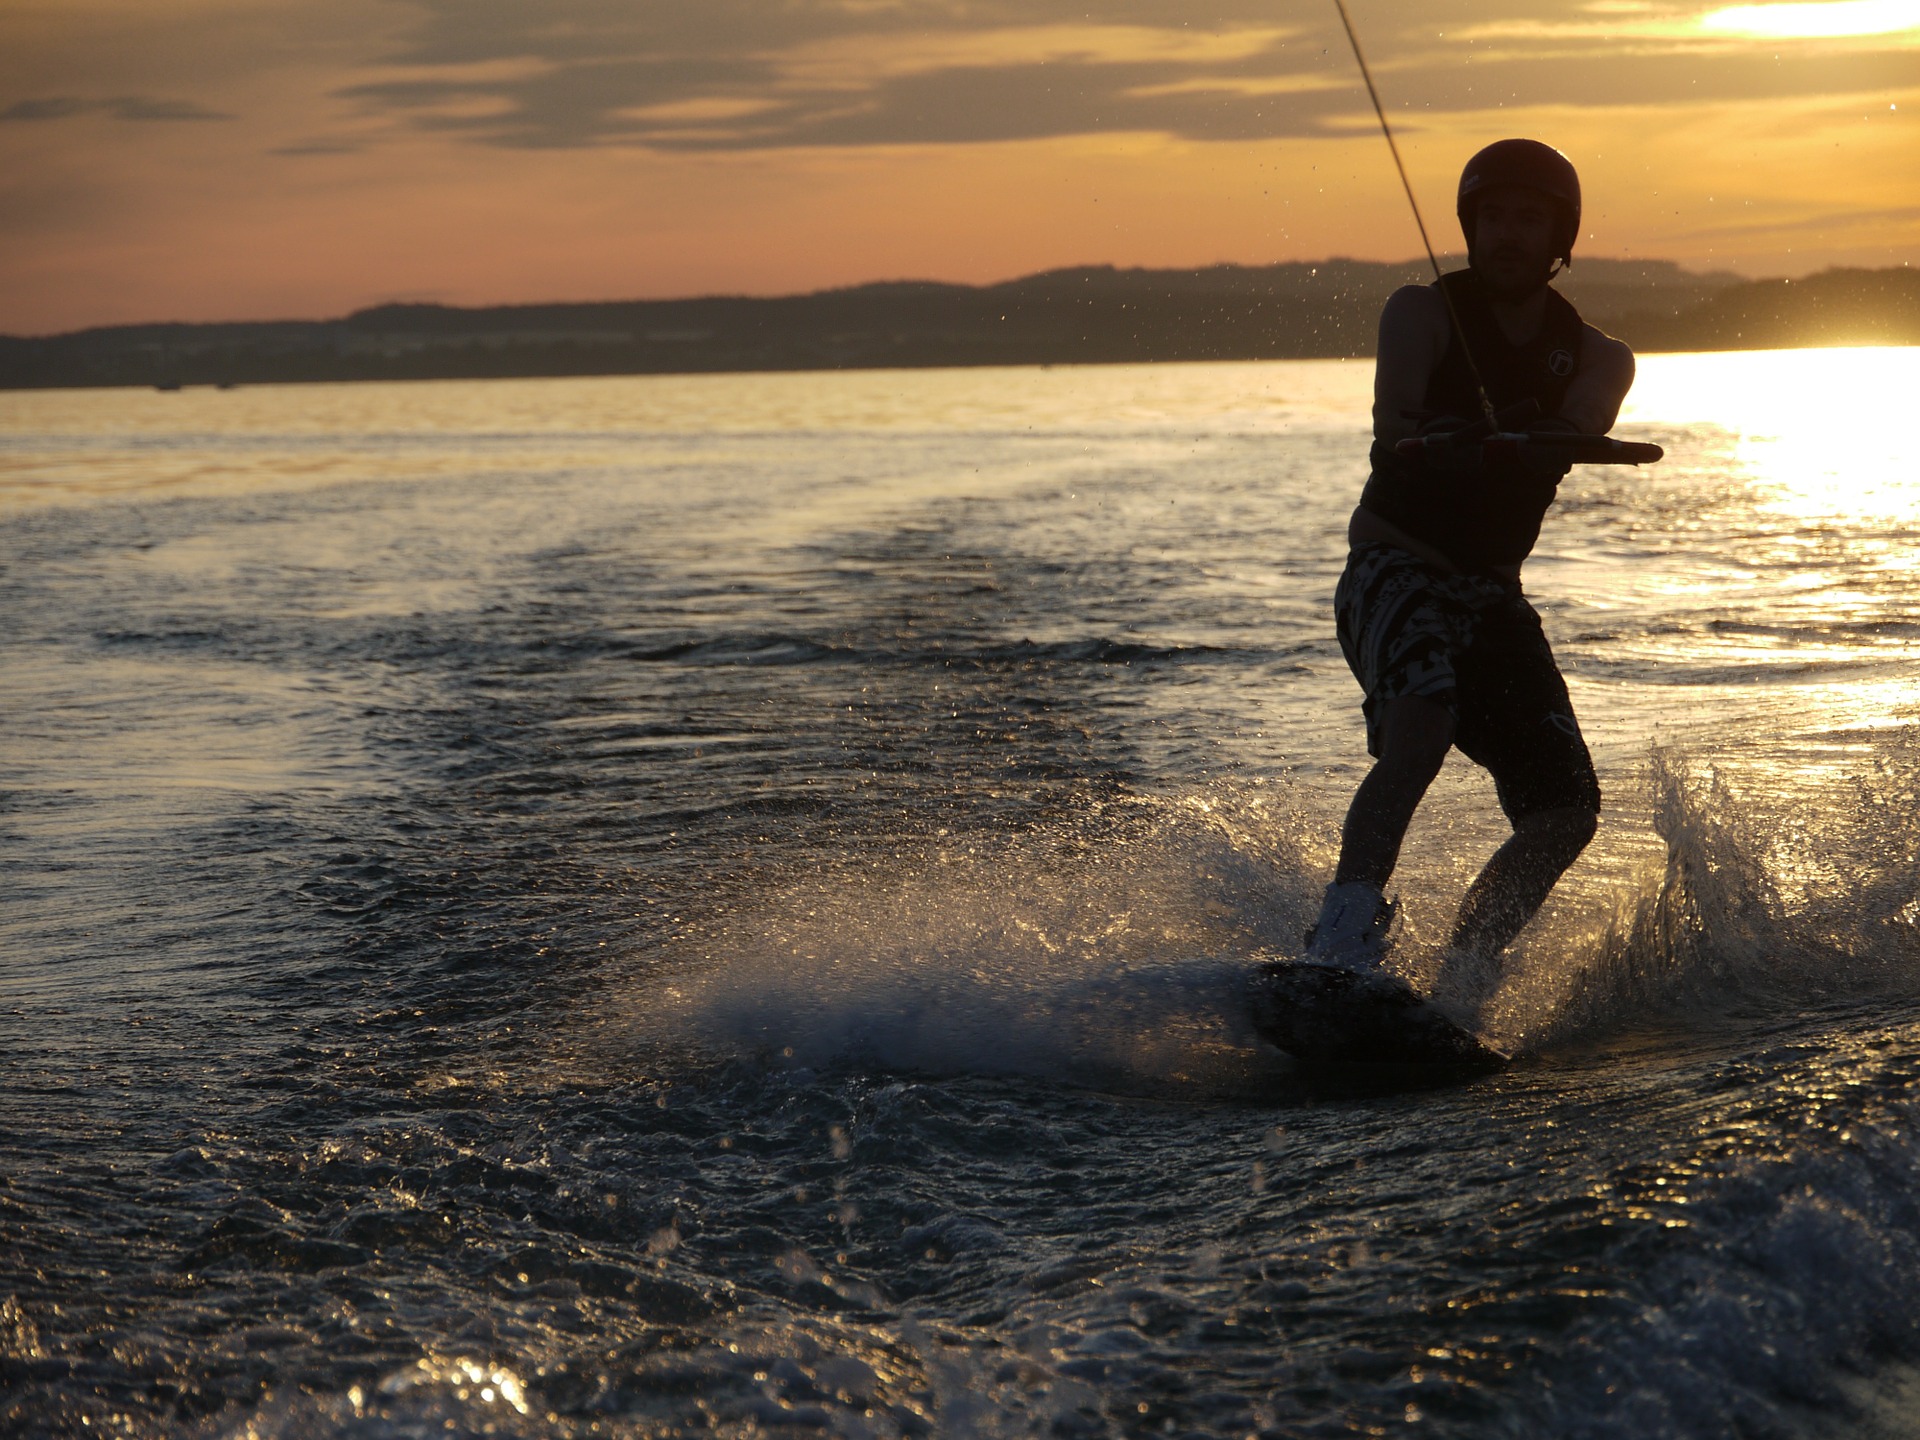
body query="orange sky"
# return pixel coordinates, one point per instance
(246, 159)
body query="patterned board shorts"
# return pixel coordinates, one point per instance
(1475, 645)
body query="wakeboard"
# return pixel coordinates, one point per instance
(1330, 1017)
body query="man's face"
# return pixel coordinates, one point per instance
(1513, 235)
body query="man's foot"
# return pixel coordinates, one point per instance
(1351, 933)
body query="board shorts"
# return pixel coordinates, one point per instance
(1474, 644)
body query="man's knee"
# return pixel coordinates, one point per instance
(1563, 832)
(1415, 734)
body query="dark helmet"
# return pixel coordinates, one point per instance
(1530, 164)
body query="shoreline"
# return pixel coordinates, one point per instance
(1089, 316)
(862, 369)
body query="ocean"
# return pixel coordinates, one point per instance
(720, 905)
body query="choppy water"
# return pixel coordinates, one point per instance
(668, 906)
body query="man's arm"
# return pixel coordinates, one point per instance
(1605, 376)
(1414, 331)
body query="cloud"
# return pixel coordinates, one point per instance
(743, 75)
(1823, 221)
(466, 31)
(320, 147)
(122, 107)
(140, 107)
(753, 103)
(520, 148)
(57, 108)
(1825, 18)
(975, 104)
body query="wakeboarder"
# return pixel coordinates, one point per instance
(1430, 611)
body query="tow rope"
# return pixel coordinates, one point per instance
(1495, 442)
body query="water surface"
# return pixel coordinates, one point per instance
(714, 905)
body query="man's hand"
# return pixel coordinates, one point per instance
(1453, 458)
(1552, 425)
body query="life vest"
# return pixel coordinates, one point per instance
(1481, 516)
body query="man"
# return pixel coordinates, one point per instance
(1429, 611)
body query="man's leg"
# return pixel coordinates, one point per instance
(1517, 720)
(1399, 627)
(1517, 880)
(1415, 734)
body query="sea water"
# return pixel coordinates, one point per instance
(717, 905)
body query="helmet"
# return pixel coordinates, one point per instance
(1533, 165)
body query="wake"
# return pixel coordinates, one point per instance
(1761, 908)
(1111, 949)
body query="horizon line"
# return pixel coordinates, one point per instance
(1417, 263)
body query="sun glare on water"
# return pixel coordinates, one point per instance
(1819, 429)
(1812, 19)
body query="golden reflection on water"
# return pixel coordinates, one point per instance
(61, 446)
(1819, 433)
(1823, 434)
(1245, 393)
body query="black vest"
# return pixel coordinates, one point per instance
(1481, 516)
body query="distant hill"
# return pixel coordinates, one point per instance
(1834, 307)
(1088, 315)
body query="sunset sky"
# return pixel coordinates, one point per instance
(249, 159)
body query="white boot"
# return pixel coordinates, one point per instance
(1351, 933)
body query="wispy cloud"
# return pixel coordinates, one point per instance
(526, 148)
(1248, 88)
(737, 75)
(120, 107)
(1821, 18)
(745, 75)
